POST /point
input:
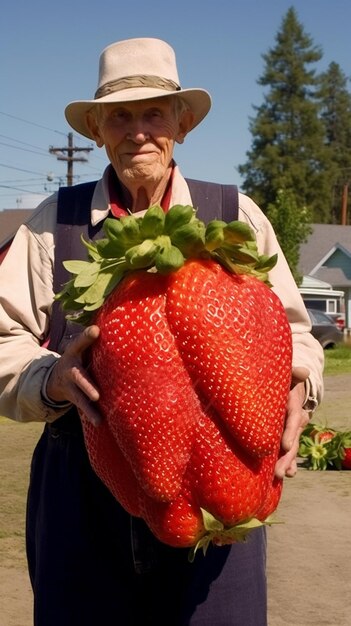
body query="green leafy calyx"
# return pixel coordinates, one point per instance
(160, 242)
(218, 534)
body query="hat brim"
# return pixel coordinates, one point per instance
(198, 100)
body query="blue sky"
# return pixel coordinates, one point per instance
(49, 56)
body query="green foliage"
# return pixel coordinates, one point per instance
(287, 148)
(291, 223)
(301, 133)
(335, 111)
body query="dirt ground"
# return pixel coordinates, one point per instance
(309, 554)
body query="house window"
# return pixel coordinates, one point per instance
(332, 306)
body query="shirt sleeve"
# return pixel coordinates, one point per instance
(26, 297)
(307, 351)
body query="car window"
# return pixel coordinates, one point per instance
(320, 318)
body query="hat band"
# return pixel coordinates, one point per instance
(129, 82)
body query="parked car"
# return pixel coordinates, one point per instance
(338, 319)
(325, 329)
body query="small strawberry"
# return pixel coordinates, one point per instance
(324, 436)
(346, 460)
(318, 432)
(343, 459)
(324, 447)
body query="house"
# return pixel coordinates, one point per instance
(10, 221)
(326, 257)
(319, 295)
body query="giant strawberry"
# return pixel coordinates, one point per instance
(146, 384)
(232, 347)
(193, 362)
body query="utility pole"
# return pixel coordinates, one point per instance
(344, 200)
(70, 158)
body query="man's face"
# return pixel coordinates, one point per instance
(139, 138)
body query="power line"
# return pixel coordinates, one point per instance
(19, 169)
(23, 143)
(19, 189)
(20, 119)
(8, 145)
(20, 181)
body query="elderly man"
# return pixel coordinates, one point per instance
(90, 562)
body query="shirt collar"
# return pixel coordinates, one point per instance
(111, 197)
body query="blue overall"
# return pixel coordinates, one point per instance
(90, 562)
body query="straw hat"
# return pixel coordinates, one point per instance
(137, 69)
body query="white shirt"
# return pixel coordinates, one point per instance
(26, 297)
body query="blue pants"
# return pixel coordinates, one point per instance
(92, 564)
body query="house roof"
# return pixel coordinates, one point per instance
(323, 239)
(323, 242)
(311, 282)
(10, 220)
(333, 275)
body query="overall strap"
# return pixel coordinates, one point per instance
(73, 217)
(214, 201)
(73, 220)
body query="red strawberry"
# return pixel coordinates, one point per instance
(325, 447)
(325, 435)
(111, 466)
(147, 396)
(271, 500)
(223, 478)
(346, 460)
(194, 370)
(237, 351)
(178, 523)
(216, 471)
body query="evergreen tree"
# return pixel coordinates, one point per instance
(288, 150)
(335, 105)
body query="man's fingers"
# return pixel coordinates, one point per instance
(83, 341)
(82, 382)
(286, 467)
(291, 471)
(69, 378)
(293, 431)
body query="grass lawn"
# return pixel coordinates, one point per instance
(338, 360)
(17, 442)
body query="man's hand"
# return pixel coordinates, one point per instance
(69, 380)
(296, 420)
